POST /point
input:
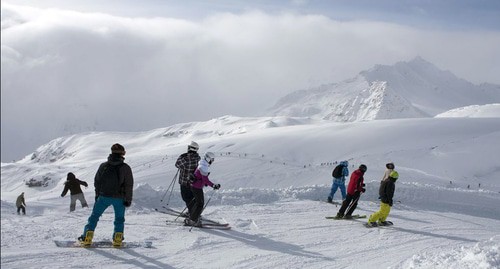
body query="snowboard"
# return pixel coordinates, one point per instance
(102, 244)
(353, 217)
(388, 223)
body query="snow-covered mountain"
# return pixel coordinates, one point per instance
(411, 89)
(273, 172)
(474, 111)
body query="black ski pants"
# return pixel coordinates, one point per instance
(199, 202)
(351, 202)
(187, 197)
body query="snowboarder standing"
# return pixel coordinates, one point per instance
(21, 204)
(354, 190)
(201, 180)
(73, 185)
(113, 184)
(339, 174)
(386, 193)
(187, 163)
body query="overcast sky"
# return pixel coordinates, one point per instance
(118, 65)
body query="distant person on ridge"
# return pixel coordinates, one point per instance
(201, 180)
(386, 193)
(187, 163)
(339, 174)
(113, 187)
(21, 204)
(354, 189)
(73, 185)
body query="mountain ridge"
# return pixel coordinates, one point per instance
(413, 89)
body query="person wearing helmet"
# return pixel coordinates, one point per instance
(386, 193)
(339, 173)
(354, 189)
(187, 163)
(201, 179)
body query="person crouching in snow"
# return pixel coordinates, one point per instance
(386, 193)
(73, 185)
(201, 179)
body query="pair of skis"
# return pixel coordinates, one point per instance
(205, 223)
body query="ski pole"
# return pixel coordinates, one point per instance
(352, 204)
(171, 186)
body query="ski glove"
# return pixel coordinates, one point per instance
(127, 203)
(363, 190)
(216, 186)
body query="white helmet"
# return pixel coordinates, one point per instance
(209, 157)
(193, 146)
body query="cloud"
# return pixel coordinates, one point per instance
(66, 71)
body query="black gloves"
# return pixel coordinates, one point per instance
(85, 184)
(216, 186)
(363, 190)
(127, 203)
(362, 185)
(97, 196)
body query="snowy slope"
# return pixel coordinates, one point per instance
(411, 89)
(474, 111)
(274, 171)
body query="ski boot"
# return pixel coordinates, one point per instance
(86, 240)
(117, 239)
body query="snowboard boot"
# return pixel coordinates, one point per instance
(86, 240)
(384, 223)
(330, 200)
(372, 224)
(117, 239)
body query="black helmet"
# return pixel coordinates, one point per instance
(389, 165)
(363, 168)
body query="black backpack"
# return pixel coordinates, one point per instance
(109, 181)
(337, 172)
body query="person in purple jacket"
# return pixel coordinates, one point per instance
(200, 180)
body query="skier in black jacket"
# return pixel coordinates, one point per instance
(187, 163)
(73, 185)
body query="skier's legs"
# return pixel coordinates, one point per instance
(199, 202)
(342, 190)
(333, 189)
(187, 197)
(72, 204)
(119, 215)
(345, 204)
(99, 207)
(81, 197)
(354, 204)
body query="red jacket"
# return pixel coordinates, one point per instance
(356, 182)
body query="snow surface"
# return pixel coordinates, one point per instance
(275, 174)
(474, 111)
